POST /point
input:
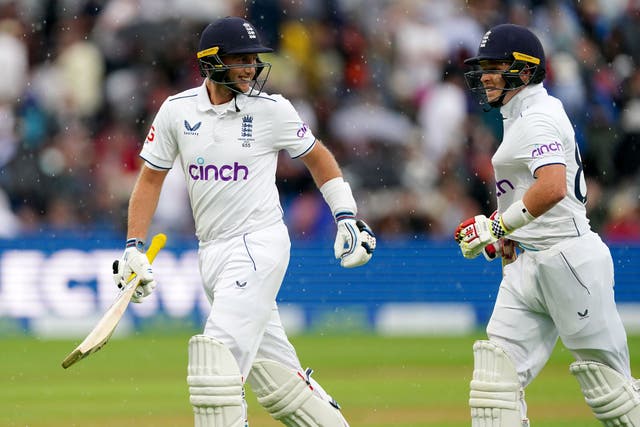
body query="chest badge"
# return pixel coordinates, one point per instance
(246, 131)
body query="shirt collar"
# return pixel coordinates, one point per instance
(204, 103)
(522, 100)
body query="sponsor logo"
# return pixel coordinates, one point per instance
(240, 284)
(246, 131)
(543, 149)
(503, 186)
(302, 131)
(203, 172)
(191, 130)
(584, 315)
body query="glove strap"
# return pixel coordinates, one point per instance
(342, 215)
(135, 243)
(498, 228)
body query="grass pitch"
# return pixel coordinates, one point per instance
(380, 382)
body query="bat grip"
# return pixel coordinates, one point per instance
(157, 242)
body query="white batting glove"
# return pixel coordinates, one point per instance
(474, 234)
(135, 261)
(355, 241)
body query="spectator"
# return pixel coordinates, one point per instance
(624, 208)
(86, 79)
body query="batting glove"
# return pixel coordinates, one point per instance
(355, 242)
(474, 234)
(135, 261)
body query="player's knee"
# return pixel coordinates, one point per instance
(497, 396)
(290, 398)
(613, 398)
(215, 384)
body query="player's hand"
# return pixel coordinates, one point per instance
(474, 234)
(503, 248)
(135, 261)
(354, 243)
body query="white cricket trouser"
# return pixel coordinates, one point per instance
(242, 276)
(565, 291)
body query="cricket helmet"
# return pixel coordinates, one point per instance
(230, 36)
(512, 44)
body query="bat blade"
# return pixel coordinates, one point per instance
(100, 334)
(103, 330)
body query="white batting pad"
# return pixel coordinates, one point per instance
(215, 384)
(614, 399)
(496, 397)
(288, 396)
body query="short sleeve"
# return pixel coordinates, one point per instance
(544, 141)
(160, 147)
(291, 132)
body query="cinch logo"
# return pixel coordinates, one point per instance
(302, 131)
(544, 148)
(501, 187)
(202, 172)
(191, 130)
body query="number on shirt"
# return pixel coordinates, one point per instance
(580, 179)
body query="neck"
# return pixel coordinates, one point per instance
(218, 94)
(510, 94)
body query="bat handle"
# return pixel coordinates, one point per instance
(157, 242)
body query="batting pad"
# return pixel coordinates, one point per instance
(613, 398)
(496, 398)
(288, 397)
(215, 384)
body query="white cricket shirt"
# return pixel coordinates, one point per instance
(537, 132)
(229, 157)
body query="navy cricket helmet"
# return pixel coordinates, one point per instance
(230, 36)
(515, 45)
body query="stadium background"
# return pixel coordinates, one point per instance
(380, 82)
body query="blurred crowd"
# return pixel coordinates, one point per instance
(379, 81)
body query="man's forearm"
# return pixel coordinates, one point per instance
(143, 203)
(321, 164)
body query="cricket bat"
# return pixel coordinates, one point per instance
(105, 327)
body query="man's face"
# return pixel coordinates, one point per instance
(492, 79)
(243, 69)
